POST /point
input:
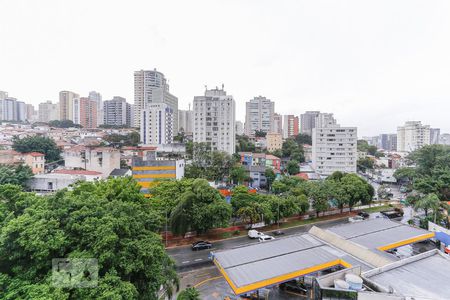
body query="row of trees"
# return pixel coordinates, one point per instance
(107, 220)
(41, 144)
(131, 139)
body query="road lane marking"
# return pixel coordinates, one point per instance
(185, 262)
(206, 280)
(198, 259)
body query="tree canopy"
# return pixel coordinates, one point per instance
(41, 144)
(110, 221)
(63, 124)
(16, 174)
(131, 139)
(294, 151)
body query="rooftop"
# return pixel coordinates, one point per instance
(77, 172)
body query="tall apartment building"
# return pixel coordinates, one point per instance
(3, 96)
(32, 114)
(434, 135)
(412, 136)
(388, 142)
(259, 115)
(308, 122)
(21, 110)
(324, 120)
(185, 120)
(157, 124)
(11, 109)
(152, 87)
(85, 112)
(66, 99)
(277, 123)
(239, 127)
(97, 97)
(117, 112)
(48, 112)
(290, 126)
(334, 149)
(214, 120)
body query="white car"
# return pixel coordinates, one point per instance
(265, 238)
(355, 219)
(254, 234)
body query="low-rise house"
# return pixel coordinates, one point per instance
(60, 179)
(35, 160)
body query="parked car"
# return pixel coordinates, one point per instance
(364, 214)
(355, 219)
(278, 232)
(294, 286)
(254, 234)
(265, 238)
(200, 245)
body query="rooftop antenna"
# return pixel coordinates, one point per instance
(223, 86)
(206, 87)
(189, 106)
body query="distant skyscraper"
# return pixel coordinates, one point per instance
(48, 112)
(66, 99)
(157, 124)
(290, 126)
(185, 120)
(324, 120)
(434, 135)
(412, 136)
(387, 142)
(3, 96)
(239, 128)
(259, 115)
(444, 139)
(152, 87)
(308, 121)
(277, 123)
(97, 97)
(117, 112)
(334, 149)
(31, 113)
(21, 110)
(85, 112)
(214, 120)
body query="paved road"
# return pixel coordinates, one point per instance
(187, 260)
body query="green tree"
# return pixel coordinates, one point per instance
(243, 144)
(363, 146)
(39, 144)
(131, 139)
(319, 194)
(107, 220)
(365, 164)
(63, 124)
(302, 139)
(429, 202)
(260, 133)
(251, 213)
(200, 208)
(238, 174)
(294, 151)
(190, 293)
(270, 177)
(15, 174)
(293, 167)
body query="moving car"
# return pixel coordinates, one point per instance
(200, 245)
(254, 234)
(364, 214)
(265, 238)
(355, 219)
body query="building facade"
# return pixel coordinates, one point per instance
(66, 99)
(117, 112)
(85, 112)
(334, 149)
(259, 115)
(324, 120)
(308, 122)
(152, 87)
(98, 159)
(97, 97)
(412, 136)
(434, 135)
(239, 128)
(185, 120)
(277, 123)
(388, 142)
(48, 111)
(274, 141)
(290, 126)
(214, 120)
(157, 121)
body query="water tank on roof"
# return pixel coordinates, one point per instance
(354, 281)
(341, 284)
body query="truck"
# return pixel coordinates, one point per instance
(254, 234)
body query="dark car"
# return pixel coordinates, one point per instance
(364, 214)
(278, 232)
(200, 245)
(294, 286)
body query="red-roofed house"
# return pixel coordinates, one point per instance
(35, 160)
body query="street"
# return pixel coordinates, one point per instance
(187, 260)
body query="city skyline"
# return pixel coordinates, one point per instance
(362, 61)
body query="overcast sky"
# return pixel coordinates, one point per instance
(374, 64)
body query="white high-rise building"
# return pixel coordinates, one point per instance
(48, 112)
(117, 112)
(277, 123)
(412, 136)
(9, 109)
(157, 124)
(21, 111)
(434, 135)
(214, 120)
(239, 128)
(259, 115)
(334, 149)
(152, 87)
(97, 97)
(3, 96)
(185, 120)
(324, 120)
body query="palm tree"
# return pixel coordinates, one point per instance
(429, 202)
(191, 293)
